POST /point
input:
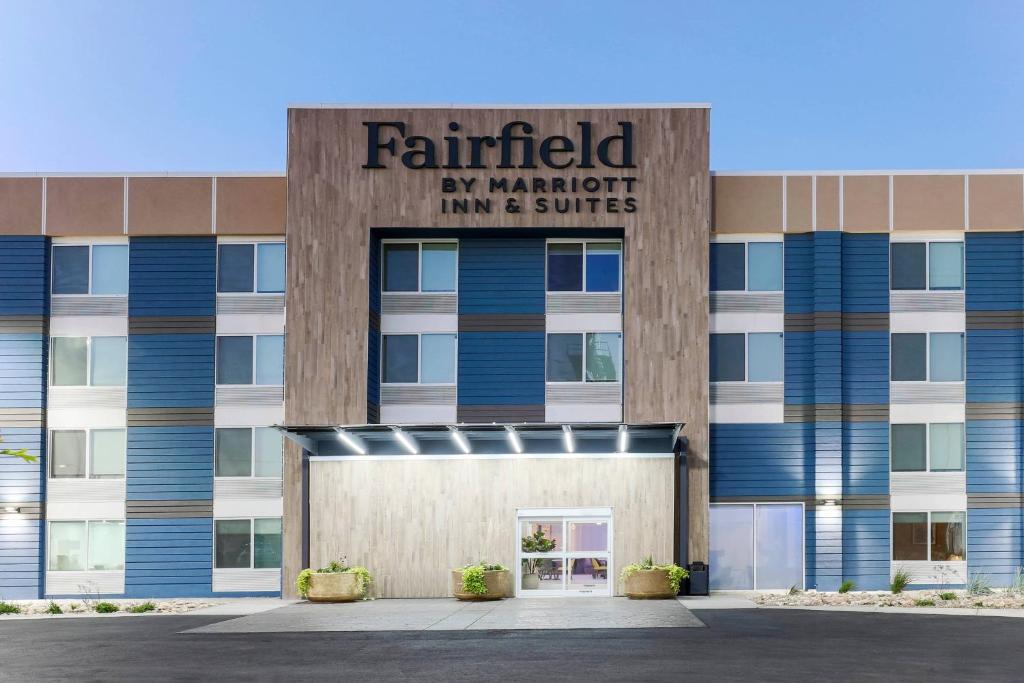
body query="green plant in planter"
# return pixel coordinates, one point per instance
(473, 577)
(536, 542)
(676, 574)
(335, 567)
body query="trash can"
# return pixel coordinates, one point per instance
(698, 578)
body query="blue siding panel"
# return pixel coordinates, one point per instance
(171, 370)
(501, 275)
(762, 459)
(172, 276)
(866, 458)
(828, 263)
(994, 269)
(501, 368)
(994, 543)
(170, 463)
(865, 273)
(824, 548)
(993, 456)
(21, 481)
(995, 366)
(799, 273)
(167, 558)
(865, 377)
(22, 370)
(19, 559)
(828, 370)
(24, 276)
(799, 368)
(866, 548)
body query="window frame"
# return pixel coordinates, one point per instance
(584, 380)
(255, 243)
(746, 266)
(928, 264)
(803, 529)
(746, 360)
(252, 544)
(88, 361)
(216, 360)
(88, 454)
(584, 242)
(90, 245)
(419, 263)
(85, 552)
(419, 358)
(928, 356)
(928, 448)
(928, 532)
(252, 453)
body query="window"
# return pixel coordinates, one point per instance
(248, 452)
(935, 447)
(567, 361)
(757, 546)
(584, 266)
(927, 357)
(926, 265)
(88, 361)
(420, 266)
(418, 358)
(86, 546)
(251, 360)
(751, 267)
(929, 536)
(248, 543)
(256, 268)
(87, 454)
(100, 269)
(752, 357)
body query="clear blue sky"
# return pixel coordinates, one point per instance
(180, 85)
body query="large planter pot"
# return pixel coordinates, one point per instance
(498, 582)
(649, 584)
(337, 587)
(531, 582)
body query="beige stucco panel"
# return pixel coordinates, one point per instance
(866, 203)
(799, 205)
(410, 522)
(251, 206)
(21, 206)
(928, 202)
(84, 206)
(996, 202)
(826, 202)
(170, 206)
(746, 204)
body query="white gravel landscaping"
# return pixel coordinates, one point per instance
(997, 599)
(87, 607)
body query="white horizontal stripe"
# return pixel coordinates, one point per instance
(238, 580)
(591, 412)
(250, 323)
(488, 456)
(248, 507)
(68, 583)
(88, 325)
(928, 321)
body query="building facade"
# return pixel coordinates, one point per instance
(443, 330)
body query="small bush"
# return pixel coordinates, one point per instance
(1017, 586)
(793, 590)
(74, 607)
(978, 584)
(105, 607)
(54, 608)
(979, 604)
(9, 608)
(924, 603)
(948, 595)
(143, 607)
(900, 580)
(847, 586)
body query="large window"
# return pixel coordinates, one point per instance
(418, 358)
(929, 536)
(937, 447)
(927, 357)
(750, 266)
(752, 357)
(926, 265)
(248, 452)
(251, 267)
(86, 546)
(584, 357)
(247, 543)
(100, 269)
(757, 546)
(87, 454)
(420, 266)
(585, 266)
(250, 359)
(88, 361)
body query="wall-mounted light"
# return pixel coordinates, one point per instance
(460, 440)
(623, 440)
(352, 441)
(570, 445)
(407, 441)
(514, 440)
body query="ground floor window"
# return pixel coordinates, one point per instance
(757, 546)
(929, 536)
(564, 552)
(248, 543)
(86, 546)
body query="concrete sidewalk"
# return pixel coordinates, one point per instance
(452, 615)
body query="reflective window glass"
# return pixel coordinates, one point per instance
(907, 446)
(270, 359)
(779, 552)
(401, 267)
(946, 265)
(946, 441)
(234, 360)
(70, 270)
(603, 265)
(765, 266)
(440, 268)
(107, 453)
(765, 357)
(907, 265)
(400, 359)
(67, 454)
(106, 546)
(727, 267)
(946, 357)
(727, 358)
(731, 560)
(110, 269)
(233, 545)
(109, 361)
(604, 357)
(66, 547)
(235, 267)
(910, 536)
(70, 361)
(565, 267)
(267, 538)
(947, 529)
(269, 452)
(908, 357)
(565, 358)
(270, 269)
(233, 451)
(437, 358)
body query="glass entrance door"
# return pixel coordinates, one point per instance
(566, 554)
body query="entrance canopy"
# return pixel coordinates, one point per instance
(485, 440)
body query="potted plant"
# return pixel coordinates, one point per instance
(647, 580)
(337, 582)
(536, 542)
(481, 581)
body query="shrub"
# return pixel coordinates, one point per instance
(793, 590)
(676, 574)
(105, 607)
(1017, 585)
(335, 567)
(978, 584)
(143, 607)
(924, 603)
(9, 608)
(847, 586)
(948, 595)
(900, 580)
(54, 608)
(473, 577)
(979, 604)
